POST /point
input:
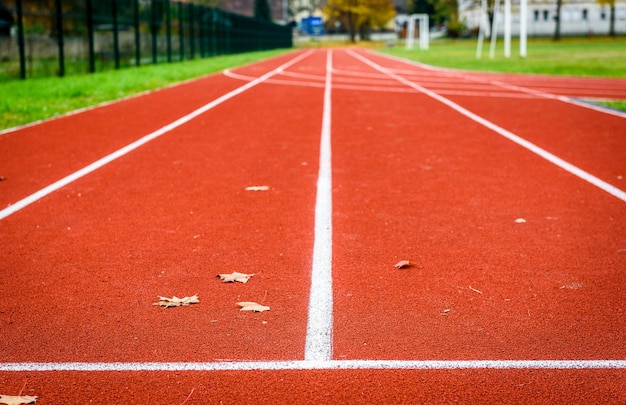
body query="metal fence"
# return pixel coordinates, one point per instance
(59, 37)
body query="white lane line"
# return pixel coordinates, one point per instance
(536, 91)
(389, 88)
(320, 365)
(614, 191)
(11, 209)
(319, 331)
(564, 99)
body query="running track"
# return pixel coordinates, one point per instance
(505, 193)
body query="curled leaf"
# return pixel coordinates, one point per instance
(17, 400)
(402, 264)
(239, 277)
(177, 302)
(252, 306)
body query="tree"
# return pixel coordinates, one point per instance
(262, 10)
(421, 7)
(448, 10)
(360, 15)
(6, 20)
(611, 4)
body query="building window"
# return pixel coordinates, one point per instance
(585, 14)
(536, 15)
(545, 15)
(602, 14)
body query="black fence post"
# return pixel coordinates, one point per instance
(153, 30)
(192, 32)
(199, 14)
(181, 31)
(116, 39)
(168, 29)
(137, 33)
(20, 37)
(90, 40)
(59, 27)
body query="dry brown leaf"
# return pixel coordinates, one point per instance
(402, 264)
(177, 302)
(475, 290)
(572, 286)
(252, 306)
(17, 400)
(231, 278)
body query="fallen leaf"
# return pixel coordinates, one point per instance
(17, 400)
(475, 290)
(252, 306)
(177, 302)
(572, 286)
(257, 188)
(231, 278)
(403, 263)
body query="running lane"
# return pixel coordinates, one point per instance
(82, 266)
(536, 110)
(512, 257)
(85, 263)
(35, 156)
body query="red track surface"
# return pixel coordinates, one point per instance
(412, 179)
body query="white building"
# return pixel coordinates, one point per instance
(578, 17)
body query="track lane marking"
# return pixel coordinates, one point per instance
(319, 332)
(389, 88)
(319, 365)
(535, 92)
(13, 208)
(576, 171)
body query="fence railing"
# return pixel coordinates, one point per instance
(59, 37)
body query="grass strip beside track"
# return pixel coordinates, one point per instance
(145, 139)
(32, 100)
(27, 101)
(588, 57)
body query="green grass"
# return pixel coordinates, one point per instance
(36, 99)
(618, 105)
(584, 57)
(591, 57)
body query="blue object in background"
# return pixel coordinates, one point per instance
(312, 25)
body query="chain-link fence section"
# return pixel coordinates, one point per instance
(59, 37)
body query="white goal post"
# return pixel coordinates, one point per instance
(493, 30)
(422, 20)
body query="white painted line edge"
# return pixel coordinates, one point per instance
(580, 173)
(318, 365)
(527, 90)
(318, 346)
(11, 209)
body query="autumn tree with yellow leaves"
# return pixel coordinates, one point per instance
(360, 16)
